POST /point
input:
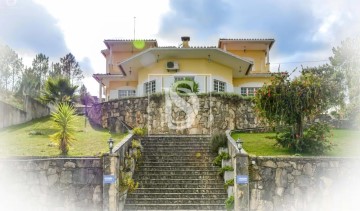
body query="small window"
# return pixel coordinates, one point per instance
(150, 87)
(126, 93)
(181, 78)
(248, 91)
(219, 86)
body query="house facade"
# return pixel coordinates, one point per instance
(141, 67)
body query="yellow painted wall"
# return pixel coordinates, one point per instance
(188, 66)
(114, 85)
(259, 59)
(240, 81)
(117, 58)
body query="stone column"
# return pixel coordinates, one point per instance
(241, 196)
(100, 91)
(110, 192)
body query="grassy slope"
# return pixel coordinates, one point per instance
(16, 141)
(347, 144)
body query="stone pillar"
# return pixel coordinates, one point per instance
(110, 193)
(100, 91)
(241, 196)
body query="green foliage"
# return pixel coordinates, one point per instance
(287, 102)
(70, 68)
(228, 183)
(128, 183)
(85, 96)
(217, 141)
(139, 131)
(58, 90)
(64, 123)
(225, 168)
(314, 141)
(137, 154)
(220, 157)
(229, 203)
(10, 68)
(188, 85)
(135, 144)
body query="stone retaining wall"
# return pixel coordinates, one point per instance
(216, 113)
(9, 115)
(298, 183)
(51, 184)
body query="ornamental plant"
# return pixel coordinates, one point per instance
(288, 103)
(64, 123)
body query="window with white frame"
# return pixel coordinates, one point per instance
(219, 86)
(248, 91)
(126, 93)
(181, 78)
(150, 87)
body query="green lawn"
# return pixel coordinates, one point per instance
(347, 144)
(17, 141)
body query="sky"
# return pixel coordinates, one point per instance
(305, 31)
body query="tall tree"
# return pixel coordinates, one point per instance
(289, 102)
(30, 84)
(71, 68)
(11, 67)
(40, 66)
(55, 70)
(85, 97)
(346, 58)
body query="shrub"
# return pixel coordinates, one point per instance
(135, 144)
(128, 183)
(137, 154)
(64, 122)
(217, 141)
(229, 203)
(138, 131)
(220, 157)
(315, 140)
(225, 168)
(228, 183)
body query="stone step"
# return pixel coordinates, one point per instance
(154, 181)
(178, 168)
(177, 153)
(190, 185)
(168, 207)
(171, 177)
(161, 196)
(179, 190)
(177, 172)
(179, 150)
(174, 164)
(175, 201)
(180, 158)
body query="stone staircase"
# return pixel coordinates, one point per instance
(172, 176)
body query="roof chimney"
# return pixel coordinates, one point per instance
(185, 40)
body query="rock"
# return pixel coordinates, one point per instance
(97, 195)
(230, 191)
(303, 181)
(281, 178)
(228, 175)
(51, 171)
(269, 163)
(279, 191)
(52, 179)
(69, 164)
(66, 177)
(308, 169)
(283, 164)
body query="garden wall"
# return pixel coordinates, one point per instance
(299, 183)
(215, 113)
(51, 184)
(9, 115)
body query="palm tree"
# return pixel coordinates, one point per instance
(58, 90)
(64, 122)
